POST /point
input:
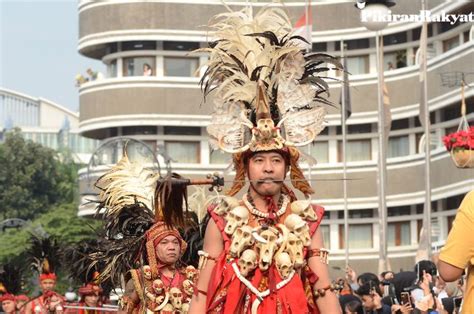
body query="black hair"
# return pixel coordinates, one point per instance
(366, 277)
(354, 306)
(428, 266)
(367, 288)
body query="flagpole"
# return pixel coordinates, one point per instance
(381, 165)
(308, 29)
(426, 126)
(344, 163)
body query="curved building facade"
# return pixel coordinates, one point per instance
(151, 93)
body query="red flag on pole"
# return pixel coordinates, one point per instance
(304, 26)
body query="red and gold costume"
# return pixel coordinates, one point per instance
(267, 99)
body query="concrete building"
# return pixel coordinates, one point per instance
(44, 122)
(151, 93)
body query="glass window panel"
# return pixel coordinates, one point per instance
(320, 151)
(398, 233)
(112, 69)
(358, 64)
(138, 45)
(143, 66)
(326, 235)
(219, 157)
(175, 66)
(356, 150)
(360, 236)
(450, 43)
(398, 146)
(182, 130)
(183, 152)
(180, 45)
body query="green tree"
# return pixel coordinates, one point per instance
(32, 178)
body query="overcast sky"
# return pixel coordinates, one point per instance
(38, 49)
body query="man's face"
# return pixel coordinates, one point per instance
(168, 249)
(264, 169)
(91, 300)
(8, 306)
(47, 284)
(368, 302)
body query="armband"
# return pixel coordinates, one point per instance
(322, 253)
(203, 257)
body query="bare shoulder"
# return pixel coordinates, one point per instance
(213, 241)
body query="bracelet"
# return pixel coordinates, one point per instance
(203, 257)
(322, 292)
(322, 253)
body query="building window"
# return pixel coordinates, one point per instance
(398, 146)
(454, 202)
(357, 213)
(138, 45)
(360, 236)
(143, 66)
(358, 64)
(183, 152)
(320, 47)
(355, 129)
(394, 39)
(326, 235)
(182, 130)
(356, 150)
(139, 130)
(176, 66)
(451, 43)
(395, 60)
(219, 157)
(399, 211)
(180, 45)
(320, 151)
(398, 233)
(112, 69)
(401, 124)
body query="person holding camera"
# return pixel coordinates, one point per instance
(371, 297)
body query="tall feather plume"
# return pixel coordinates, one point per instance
(45, 254)
(126, 185)
(11, 278)
(249, 50)
(127, 199)
(77, 259)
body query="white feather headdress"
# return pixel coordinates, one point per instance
(267, 92)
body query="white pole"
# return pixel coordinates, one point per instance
(427, 127)
(344, 163)
(382, 169)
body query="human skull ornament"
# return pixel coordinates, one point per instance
(266, 250)
(241, 239)
(299, 227)
(158, 286)
(303, 209)
(188, 287)
(294, 247)
(191, 272)
(284, 264)
(176, 298)
(247, 262)
(146, 272)
(185, 308)
(237, 217)
(225, 205)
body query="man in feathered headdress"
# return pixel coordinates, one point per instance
(264, 253)
(141, 240)
(45, 258)
(10, 287)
